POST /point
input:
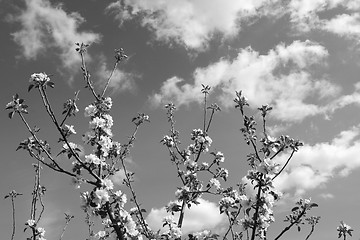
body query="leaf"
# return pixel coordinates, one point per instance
(248, 211)
(294, 209)
(6, 196)
(30, 87)
(314, 205)
(50, 84)
(11, 114)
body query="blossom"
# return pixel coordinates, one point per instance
(68, 129)
(92, 158)
(39, 78)
(41, 231)
(100, 234)
(219, 157)
(30, 222)
(108, 120)
(344, 229)
(168, 141)
(121, 197)
(106, 144)
(97, 122)
(101, 196)
(90, 111)
(227, 201)
(108, 102)
(204, 165)
(108, 184)
(214, 182)
(181, 192)
(106, 222)
(268, 166)
(72, 145)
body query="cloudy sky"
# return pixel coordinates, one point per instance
(300, 56)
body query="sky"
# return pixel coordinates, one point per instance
(301, 57)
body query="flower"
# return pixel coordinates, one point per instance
(106, 144)
(219, 157)
(92, 159)
(214, 182)
(97, 122)
(108, 120)
(72, 145)
(90, 111)
(108, 184)
(344, 229)
(100, 234)
(168, 141)
(101, 196)
(39, 79)
(68, 129)
(41, 231)
(30, 222)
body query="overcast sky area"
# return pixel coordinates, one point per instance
(302, 57)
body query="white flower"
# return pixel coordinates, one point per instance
(219, 157)
(214, 182)
(30, 222)
(72, 145)
(108, 184)
(101, 196)
(121, 197)
(39, 78)
(92, 159)
(106, 222)
(169, 219)
(41, 231)
(97, 122)
(100, 234)
(69, 129)
(205, 165)
(109, 121)
(106, 144)
(90, 111)
(108, 102)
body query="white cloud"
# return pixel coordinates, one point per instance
(313, 166)
(46, 26)
(326, 195)
(281, 78)
(206, 215)
(347, 25)
(190, 23)
(305, 15)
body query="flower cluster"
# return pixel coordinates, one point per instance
(38, 232)
(40, 80)
(344, 229)
(174, 231)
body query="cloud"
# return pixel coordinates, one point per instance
(189, 23)
(45, 26)
(314, 165)
(120, 80)
(305, 16)
(206, 215)
(347, 25)
(282, 78)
